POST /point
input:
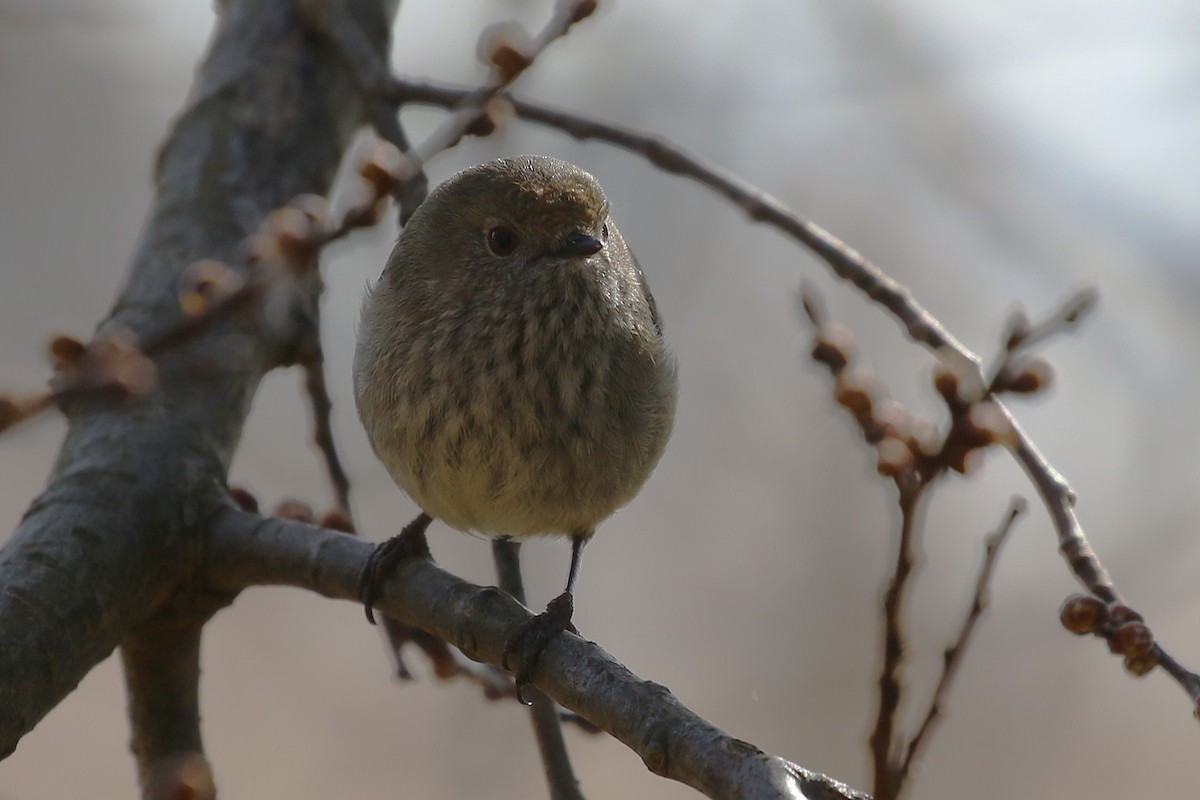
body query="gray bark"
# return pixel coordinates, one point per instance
(119, 528)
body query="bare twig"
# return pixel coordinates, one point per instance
(15, 410)
(882, 736)
(1013, 373)
(508, 60)
(547, 727)
(953, 656)
(317, 391)
(369, 73)
(283, 250)
(1056, 494)
(674, 158)
(1022, 335)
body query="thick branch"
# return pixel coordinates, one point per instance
(162, 677)
(673, 742)
(117, 530)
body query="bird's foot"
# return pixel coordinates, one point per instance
(409, 543)
(524, 648)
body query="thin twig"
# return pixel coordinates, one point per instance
(547, 726)
(1056, 494)
(509, 62)
(953, 656)
(1023, 335)
(313, 364)
(674, 158)
(886, 784)
(369, 72)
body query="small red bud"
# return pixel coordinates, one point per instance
(1131, 639)
(1082, 614)
(1119, 614)
(65, 351)
(243, 498)
(946, 383)
(1139, 665)
(834, 347)
(337, 519)
(1029, 377)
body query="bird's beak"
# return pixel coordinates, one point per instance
(579, 244)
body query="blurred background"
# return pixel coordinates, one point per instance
(990, 155)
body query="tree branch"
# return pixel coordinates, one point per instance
(162, 678)
(953, 657)
(117, 531)
(248, 550)
(882, 740)
(1056, 494)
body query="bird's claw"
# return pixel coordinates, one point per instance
(409, 543)
(524, 648)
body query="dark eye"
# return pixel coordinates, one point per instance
(604, 231)
(502, 241)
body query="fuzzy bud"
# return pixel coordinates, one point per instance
(834, 347)
(295, 232)
(895, 457)
(506, 48)
(1029, 377)
(381, 170)
(296, 510)
(856, 391)
(988, 424)
(205, 283)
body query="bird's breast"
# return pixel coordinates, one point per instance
(541, 419)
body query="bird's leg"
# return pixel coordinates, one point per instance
(525, 647)
(409, 543)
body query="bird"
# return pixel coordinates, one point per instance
(511, 372)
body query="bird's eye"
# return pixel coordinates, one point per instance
(502, 241)
(604, 231)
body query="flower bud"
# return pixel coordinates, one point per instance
(1082, 614)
